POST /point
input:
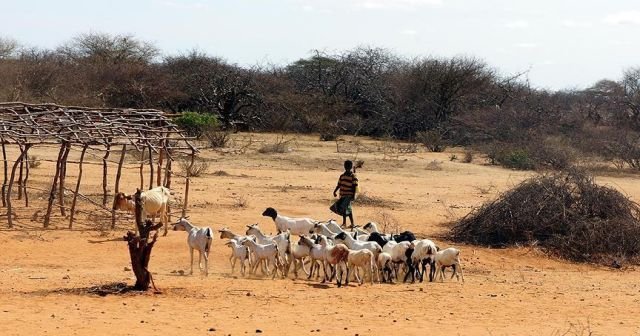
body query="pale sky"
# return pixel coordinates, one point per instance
(564, 43)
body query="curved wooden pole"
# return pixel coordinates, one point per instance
(4, 181)
(26, 176)
(151, 174)
(63, 175)
(104, 175)
(13, 175)
(75, 194)
(52, 192)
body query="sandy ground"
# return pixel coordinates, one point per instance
(517, 291)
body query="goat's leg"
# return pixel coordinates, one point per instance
(206, 264)
(310, 275)
(461, 273)
(255, 266)
(233, 264)
(274, 261)
(191, 263)
(303, 268)
(371, 272)
(200, 260)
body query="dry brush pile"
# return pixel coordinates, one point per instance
(567, 214)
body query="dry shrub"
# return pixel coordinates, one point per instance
(387, 222)
(365, 199)
(220, 173)
(217, 138)
(240, 202)
(432, 139)
(434, 165)
(33, 161)
(329, 136)
(468, 157)
(392, 150)
(200, 166)
(281, 145)
(567, 214)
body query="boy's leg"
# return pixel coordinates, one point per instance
(344, 221)
(351, 219)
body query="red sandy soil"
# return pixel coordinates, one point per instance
(514, 291)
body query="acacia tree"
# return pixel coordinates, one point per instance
(429, 91)
(113, 70)
(208, 84)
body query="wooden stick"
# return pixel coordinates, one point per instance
(167, 184)
(119, 172)
(75, 194)
(13, 175)
(151, 177)
(4, 181)
(160, 159)
(26, 177)
(63, 174)
(52, 192)
(20, 175)
(186, 188)
(104, 175)
(142, 171)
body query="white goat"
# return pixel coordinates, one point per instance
(362, 259)
(353, 244)
(199, 239)
(385, 265)
(281, 239)
(323, 229)
(423, 254)
(333, 226)
(299, 252)
(373, 227)
(238, 252)
(297, 226)
(449, 257)
(154, 203)
(316, 254)
(397, 251)
(336, 255)
(267, 253)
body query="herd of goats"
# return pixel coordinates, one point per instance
(325, 245)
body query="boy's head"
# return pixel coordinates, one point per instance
(348, 165)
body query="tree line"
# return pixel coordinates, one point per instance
(362, 91)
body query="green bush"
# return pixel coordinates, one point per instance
(516, 158)
(196, 124)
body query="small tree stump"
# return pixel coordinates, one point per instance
(140, 247)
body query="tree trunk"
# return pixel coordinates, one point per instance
(140, 247)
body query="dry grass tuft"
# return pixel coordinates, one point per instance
(199, 168)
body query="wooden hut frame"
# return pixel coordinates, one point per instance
(96, 129)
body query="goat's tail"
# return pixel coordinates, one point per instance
(209, 240)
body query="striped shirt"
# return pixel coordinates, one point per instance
(348, 183)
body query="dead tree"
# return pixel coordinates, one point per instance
(140, 247)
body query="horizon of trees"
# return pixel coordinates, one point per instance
(363, 91)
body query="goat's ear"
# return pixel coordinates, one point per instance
(129, 197)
